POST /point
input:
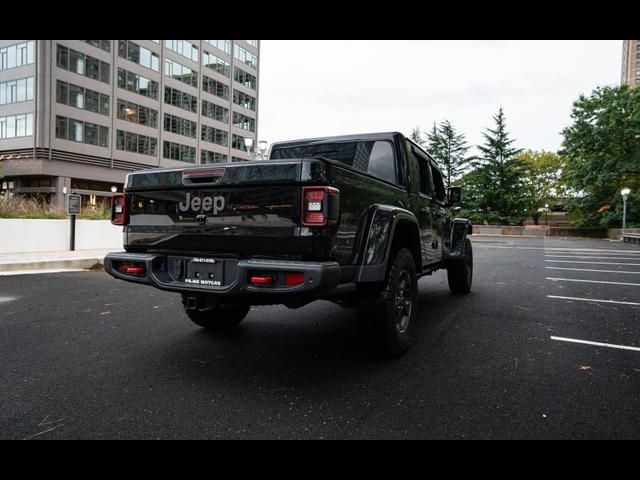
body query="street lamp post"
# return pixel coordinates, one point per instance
(255, 155)
(248, 144)
(546, 214)
(625, 193)
(262, 147)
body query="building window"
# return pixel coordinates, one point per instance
(216, 112)
(253, 43)
(17, 55)
(184, 48)
(245, 56)
(79, 97)
(224, 45)
(137, 83)
(135, 143)
(214, 135)
(179, 125)
(244, 100)
(82, 64)
(137, 54)
(180, 99)
(180, 72)
(14, 91)
(132, 112)
(82, 132)
(215, 87)
(101, 44)
(177, 151)
(216, 64)
(244, 78)
(237, 142)
(212, 157)
(12, 126)
(244, 122)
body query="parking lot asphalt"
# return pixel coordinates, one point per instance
(538, 350)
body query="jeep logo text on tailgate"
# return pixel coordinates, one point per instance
(205, 204)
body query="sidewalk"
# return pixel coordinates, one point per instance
(48, 262)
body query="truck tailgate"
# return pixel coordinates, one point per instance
(243, 209)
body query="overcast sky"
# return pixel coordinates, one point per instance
(330, 87)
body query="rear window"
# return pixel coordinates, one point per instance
(373, 157)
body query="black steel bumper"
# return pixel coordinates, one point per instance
(163, 272)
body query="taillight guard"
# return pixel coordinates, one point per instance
(320, 206)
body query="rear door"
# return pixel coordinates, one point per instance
(438, 211)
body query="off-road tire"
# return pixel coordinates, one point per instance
(387, 320)
(460, 272)
(221, 317)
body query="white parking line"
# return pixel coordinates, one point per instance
(588, 250)
(592, 270)
(593, 263)
(596, 257)
(617, 302)
(556, 279)
(597, 344)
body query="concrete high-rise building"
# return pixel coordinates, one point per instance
(77, 115)
(630, 62)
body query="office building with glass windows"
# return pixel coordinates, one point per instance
(630, 62)
(77, 115)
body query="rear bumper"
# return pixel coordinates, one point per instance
(319, 277)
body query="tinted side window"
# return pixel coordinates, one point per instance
(382, 163)
(438, 184)
(425, 181)
(373, 157)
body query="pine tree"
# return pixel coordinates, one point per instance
(416, 136)
(500, 173)
(450, 149)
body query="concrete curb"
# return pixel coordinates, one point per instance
(63, 264)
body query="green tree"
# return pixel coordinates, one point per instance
(543, 182)
(416, 136)
(449, 148)
(499, 177)
(602, 148)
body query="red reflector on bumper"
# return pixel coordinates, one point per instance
(261, 280)
(293, 278)
(135, 270)
(132, 268)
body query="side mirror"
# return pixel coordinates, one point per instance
(454, 195)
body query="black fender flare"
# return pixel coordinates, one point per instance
(381, 226)
(460, 228)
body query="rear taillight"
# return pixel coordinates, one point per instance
(120, 209)
(320, 206)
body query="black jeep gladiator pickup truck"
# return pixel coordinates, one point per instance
(353, 219)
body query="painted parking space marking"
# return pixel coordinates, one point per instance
(557, 279)
(594, 300)
(595, 257)
(597, 344)
(591, 251)
(594, 263)
(7, 299)
(592, 270)
(588, 251)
